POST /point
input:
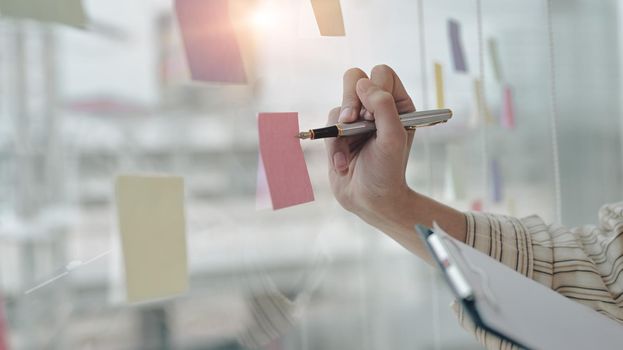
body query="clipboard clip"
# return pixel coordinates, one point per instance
(485, 291)
(438, 242)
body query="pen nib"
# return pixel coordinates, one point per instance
(304, 135)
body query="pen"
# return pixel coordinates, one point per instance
(411, 121)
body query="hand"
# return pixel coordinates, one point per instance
(367, 172)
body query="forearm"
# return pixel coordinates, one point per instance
(413, 208)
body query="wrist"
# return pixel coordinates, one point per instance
(399, 216)
(396, 213)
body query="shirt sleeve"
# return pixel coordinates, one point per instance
(584, 264)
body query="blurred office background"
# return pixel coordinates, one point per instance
(78, 107)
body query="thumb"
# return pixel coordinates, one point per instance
(382, 105)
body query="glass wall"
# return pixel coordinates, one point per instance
(78, 107)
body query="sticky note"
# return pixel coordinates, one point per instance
(4, 339)
(328, 15)
(508, 110)
(481, 102)
(476, 205)
(496, 181)
(68, 12)
(283, 160)
(210, 41)
(153, 235)
(495, 59)
(456, 46)
(439, 85)
(173, 67)
(262, 193)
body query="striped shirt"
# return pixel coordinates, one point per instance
(584, 264)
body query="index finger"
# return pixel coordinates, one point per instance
(351, 105)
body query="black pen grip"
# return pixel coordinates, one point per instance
(323, 133)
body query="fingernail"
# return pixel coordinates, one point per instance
(339, 161)
(345, 113)
(362, 112)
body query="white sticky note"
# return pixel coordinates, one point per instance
(153, 236)
(69, 12)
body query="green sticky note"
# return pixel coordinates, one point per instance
(68, 12)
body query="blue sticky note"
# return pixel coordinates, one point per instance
(456, 46)
(496, 181)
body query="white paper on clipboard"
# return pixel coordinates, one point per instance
(528, 311)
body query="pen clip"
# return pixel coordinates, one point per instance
(414, 127)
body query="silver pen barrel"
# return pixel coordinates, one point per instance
(409, 120)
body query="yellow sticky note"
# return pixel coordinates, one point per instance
(439, 85)
(481, 103)
(495, 59)
(153, 235)
(329, 17)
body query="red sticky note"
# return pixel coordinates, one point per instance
(210, 41)
(508, 112)
(4, 340)
(283, 160)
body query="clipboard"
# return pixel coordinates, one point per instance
(513, 307)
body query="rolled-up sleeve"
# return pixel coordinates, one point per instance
(584, 264)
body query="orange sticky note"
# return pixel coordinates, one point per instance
(508, 112)
(283, 160)
(329, 17)
(439, 85)
(210, 41)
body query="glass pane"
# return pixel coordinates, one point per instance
(78, 107)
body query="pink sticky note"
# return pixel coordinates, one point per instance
(283, 160)
(508, 112)
(210, 40)
(476, 205)
(4, 341)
